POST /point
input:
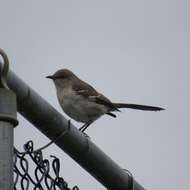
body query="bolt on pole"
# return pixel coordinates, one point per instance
(8, 120)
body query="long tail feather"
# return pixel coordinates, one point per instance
(138, 107)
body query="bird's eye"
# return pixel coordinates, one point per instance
(59, 77)
(62, 76)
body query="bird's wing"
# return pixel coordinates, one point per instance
(89, 92)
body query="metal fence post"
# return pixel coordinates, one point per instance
(7, 122)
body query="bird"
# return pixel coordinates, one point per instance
(83, 103)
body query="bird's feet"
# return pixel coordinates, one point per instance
(82, 129)
(86, 135)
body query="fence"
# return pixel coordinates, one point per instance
(44, 175)
(51, 123)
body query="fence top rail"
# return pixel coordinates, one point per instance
(51, 123)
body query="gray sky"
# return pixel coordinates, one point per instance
(132, 51)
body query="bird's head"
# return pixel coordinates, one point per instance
(61, 77)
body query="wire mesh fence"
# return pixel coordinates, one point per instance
(32, 171)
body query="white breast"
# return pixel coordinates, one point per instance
(79, 108)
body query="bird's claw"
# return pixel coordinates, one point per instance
(86, 135)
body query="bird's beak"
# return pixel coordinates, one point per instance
(50, 77)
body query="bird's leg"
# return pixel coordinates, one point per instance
(85, 126)
(82, 129)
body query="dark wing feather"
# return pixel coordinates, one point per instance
(111, 114)
(84, 89)
(104, 101)
(87, 91)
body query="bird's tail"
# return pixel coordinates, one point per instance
(138, 107)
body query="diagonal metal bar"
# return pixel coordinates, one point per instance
(51, 123)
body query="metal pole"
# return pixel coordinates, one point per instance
(7, 122)
(51, 123)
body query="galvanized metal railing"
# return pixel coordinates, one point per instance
(51, 123)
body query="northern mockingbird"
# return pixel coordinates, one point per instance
(83, 103)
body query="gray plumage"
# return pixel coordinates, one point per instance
(82, 102)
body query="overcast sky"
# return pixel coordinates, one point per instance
(132, 51)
